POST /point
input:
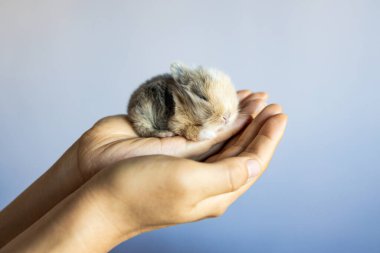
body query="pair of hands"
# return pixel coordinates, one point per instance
(112, 185)
(155, 190)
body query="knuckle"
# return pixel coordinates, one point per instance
(230, 180)
(235, 175)
(252, 154)
(91, 134)
(103, 120)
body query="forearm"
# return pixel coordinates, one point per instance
(80, 223)
(54, 185)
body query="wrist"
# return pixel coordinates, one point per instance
(111, 209)
(83, 222)
(47, 191)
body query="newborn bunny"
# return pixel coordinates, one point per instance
(194, 103)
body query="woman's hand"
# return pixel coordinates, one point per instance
(156, 191)
(113, 139)
(150, 192)
(110, 140)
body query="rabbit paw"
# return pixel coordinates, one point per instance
(206, 135)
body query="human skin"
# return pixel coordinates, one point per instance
(110, 140)
(145, 193)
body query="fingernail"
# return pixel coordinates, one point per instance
(253, 168)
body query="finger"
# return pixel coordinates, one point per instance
(240, 142)
(202, 149)
(264, 144)
(244, 118)
(252, 130)
(228, 175)
(245, 94)
(215, 149)
(261, 95)
(242, 94)
(216, 206)
(260, 151)
(256, 95)
(252, 107)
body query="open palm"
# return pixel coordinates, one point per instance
(113, 139)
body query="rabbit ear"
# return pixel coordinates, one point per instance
(180, 72)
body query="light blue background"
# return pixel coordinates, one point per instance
(65, 64)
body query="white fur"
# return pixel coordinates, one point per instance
(206, 134)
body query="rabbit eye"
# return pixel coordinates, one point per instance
(199, 94)
(202, 97)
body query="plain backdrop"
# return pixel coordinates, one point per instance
(66, 64)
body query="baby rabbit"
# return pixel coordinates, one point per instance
(194, 103)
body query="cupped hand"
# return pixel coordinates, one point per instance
(113, 139)
(138, 194)
(150, 192)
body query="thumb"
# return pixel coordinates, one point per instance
(226, 175)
